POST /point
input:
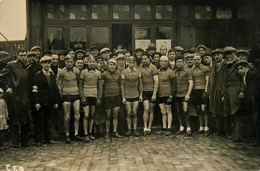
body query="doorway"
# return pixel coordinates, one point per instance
(122, 35)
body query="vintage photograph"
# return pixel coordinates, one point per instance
(129, 85)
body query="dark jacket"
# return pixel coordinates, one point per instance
(44, 93)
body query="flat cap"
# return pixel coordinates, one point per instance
(46, 53)
(217, 51)
(229, 49)
(178, 48)
(80, 50)
(113, 61)
(139, 49)
(36, 47)
(119, 51)
(241, 62)
(243, 51)
(202, 46)
(31, 54)
(189, 56)
(120, 56)
(3, 54)
(104, 50)
(94, 47)
(151, 48)
(45, 58)
(206, 54)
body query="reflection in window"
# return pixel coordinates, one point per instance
(203, 12)
(163, 37)
(224, 13)
(142, 37)
(78, 38)
(100, 36)
(78, 11)
(163, 12)
(100, 12)
(142, 11)
(56, 38)
(55, 11)
(120, 11)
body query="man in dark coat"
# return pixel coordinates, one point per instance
(216, 90)
(231, 95)
(18, 99)
(45, 98)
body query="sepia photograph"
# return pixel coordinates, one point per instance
(156, 85)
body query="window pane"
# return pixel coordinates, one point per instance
(56, 38)
(224, 13)
(78, 11)
(163, 37)
(78, 38)
(142, 12)
(121, 12)
(142, 37)
(163, 12)
(203, 35)
(55, 11)
(100, 12)
(245, 12)
(100, 36)
(203, 12)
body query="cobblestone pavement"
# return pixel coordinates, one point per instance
(154, 152)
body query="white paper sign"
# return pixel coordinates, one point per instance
(163, 42)
(142, 43)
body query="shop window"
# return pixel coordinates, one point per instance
(142, 12)
(163, 37)
(120, 12)
(163, 12)
(78, 38)
(100, 36)
(78, 12)
(55, 38)
(203, 35)
(202, 12)
(100, 12)
(142, 37)
(224, 13)
(55, 11)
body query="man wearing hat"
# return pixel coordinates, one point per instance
(79, 54)
(178, 51)
(45, 98)
(232, 89)
(216, 90)
(248, 94)
(110, 80)
(189, 60)
(37, 50)
(243, 55)
(151, 50)
(94, 51)
(105, 52)
(207, 60)
(171, 56)
(18, 99)
(201, 49)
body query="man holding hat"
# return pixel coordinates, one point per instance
(45, 98)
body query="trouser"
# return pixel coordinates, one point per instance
(20, 133)
(43, 124)
(1, 138)
(236, 126)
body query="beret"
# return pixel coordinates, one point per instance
(178, 48)
(113, 61)
(31, 54)
(217, 51)
(139, 49)
(120, 56)
(80, 50)
(189, 56)
(94, 47)
(241, 62)
(229, 49)
(36, 47)
(45, 58)
(104, 50)
(243, 51)
(202, 46)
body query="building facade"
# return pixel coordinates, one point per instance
(71, 24)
